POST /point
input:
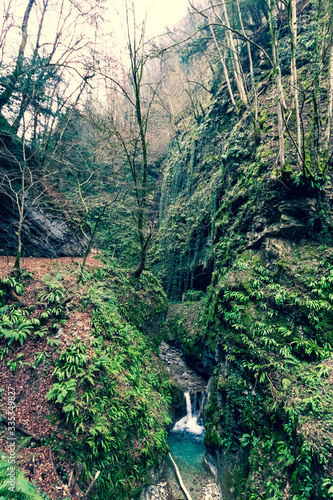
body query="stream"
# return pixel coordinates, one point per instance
(186, 439)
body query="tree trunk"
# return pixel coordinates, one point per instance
(254, 90)
(330, 104)
(91, 242)
(238, 71)
(19, 244)
(224, 66)
(277, 70)
(294, 81)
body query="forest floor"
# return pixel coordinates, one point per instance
(36, 417)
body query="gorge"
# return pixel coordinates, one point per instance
(166, 254)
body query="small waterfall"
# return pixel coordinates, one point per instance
(189, 423)
(186, 444)
(188, 405)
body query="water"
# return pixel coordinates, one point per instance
(186, 443)
(186, 440)
(188, 453)
(189, 423)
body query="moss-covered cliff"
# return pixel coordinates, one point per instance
(258, 239)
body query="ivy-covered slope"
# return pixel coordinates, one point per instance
(258, 239)
(90, 391)
(269, 319)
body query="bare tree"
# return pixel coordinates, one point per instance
(281, 105)
(248, 45)
(141, 94)
(294, 81)
(235, 57)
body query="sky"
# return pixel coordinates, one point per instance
(160, 14)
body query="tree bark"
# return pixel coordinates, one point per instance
(238, 71)
(91, 484)
(281, 105)
(294, 81)
(254, 90)
(224, 66)
(179, 477)
(330, 104)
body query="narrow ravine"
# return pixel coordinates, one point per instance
(186, 440)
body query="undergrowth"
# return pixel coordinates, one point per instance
(110, 395)
(271, 325)
(113, 396)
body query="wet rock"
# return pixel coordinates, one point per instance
(300, 208)
(211, 492)
(210, 464)
(186, 378)
(295, 220)
(157, 491)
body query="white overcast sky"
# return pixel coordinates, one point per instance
(159, 13)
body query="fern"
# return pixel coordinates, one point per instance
(23, 489)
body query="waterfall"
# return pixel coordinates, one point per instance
(188, 423)
(188, 405)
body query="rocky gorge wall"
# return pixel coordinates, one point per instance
(51, 224)
(45, 232)
(253, 244)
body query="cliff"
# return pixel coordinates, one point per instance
(253, 241)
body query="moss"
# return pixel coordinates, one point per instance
(272, 329)
(183, 324)
(142, 301)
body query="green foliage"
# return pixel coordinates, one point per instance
(13, 364)
(184, 324)
(139, 300)
(273, 325)
(16, 325)
(52, 295)
(12, 282)
(71, 361)
(112, 395)
(23, 489)
(41, 357)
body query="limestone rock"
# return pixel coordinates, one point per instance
(295, 219)
(44, 234)
(277, 247)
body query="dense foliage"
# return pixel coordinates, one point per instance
(114, 397)
(111, 397)
(243, 237)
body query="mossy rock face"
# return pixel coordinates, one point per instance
(142, 301)
(256, 234)
(269, 321)
(183, 325)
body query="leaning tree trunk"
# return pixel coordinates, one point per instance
(238, 71)
(277, 70)
(294, 81)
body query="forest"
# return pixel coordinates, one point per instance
(165, 194)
